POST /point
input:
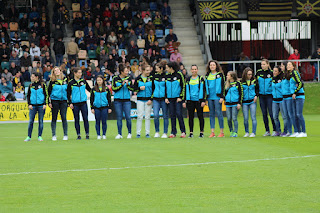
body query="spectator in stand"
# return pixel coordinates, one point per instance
(103, 56)
(15, 39)
(97, 11)
(35, 28)
(25, 60)
(58, 33)
(295, 56)
(34, 39)
(107, 12)
(91, 41)
(167, 24)
(96, 73)
(46, 73)
(119, 29)
(4, 38)
(4, 52)
(58, 4)
(44, 30)
(77, 23)
(72, 49)
(44, 42)
(140, 31)
(34, 15)
(132, 37)
(88, 28)
(6, 87)
(166, 10)
(13, 13)
(146, 19)
(157, 21)
(170, 48)
(17, 79)
(121, 42)
(137, 20)
(59, 19)
(13, 68)
(135, 69)
(127, 12)
(122, 57)
(24, 23)
(149, 27)
(35, 52)
(47, 58)
(172, 37)
(88, 74)
(25, 74)
(59, 51)
(108, 28)
(17, 50)
(132, 51)
(102, 46)
(7, 75)
(112, 40)
(316, 55)
(151, 38)
(14, 58)
(174, 57)
(37, 69)
(111, 64)
(2, 98)
(18, 91)
(98, 30)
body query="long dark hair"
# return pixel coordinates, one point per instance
(96, 86)
(218, 67)
(121, 68)
(287, 74)
(245, 73)
(162, 65)
(281, 74)
(37, 74)
(173, 65)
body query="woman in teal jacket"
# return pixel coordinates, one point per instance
(277, 97)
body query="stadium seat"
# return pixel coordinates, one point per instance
(112, 4)
(166, 32)
(26, 84)
(125, 24)
(120, 51)
(82, 54)
(31, 24)
(92, 54)
(24, 36)
(13, 26)
(12, 34)
(143, 14)
(75, 7)
(133, 60)
(134, 13)
(21, 15)
(153, 6)
(159, 33)
(95, 62)
(162, 42)
(5, 65)
(77, 33)
(26, 43)
(141, 51)
(122, 5)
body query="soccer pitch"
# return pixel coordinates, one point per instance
(262, 174)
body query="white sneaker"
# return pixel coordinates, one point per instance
(302, 135)
(295, 134)
(287, 135)
(164, 135)
(99, 137)
(252, 135)
(274, 134)
(129, 136)
(104, 137)
(54, 138)
(118, 136)
(246, 135)
(157, 135)
(65, 138)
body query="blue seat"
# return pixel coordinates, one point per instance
(140, 51)
(31, 24)
(5, 65)
(92, 54)
(120, 51)
(133, 60)
(85, 63)
(21, 15)
(125, 24)
(26, 84)
(159, 33)
(153, 6)
(166, 32)
(12, 34)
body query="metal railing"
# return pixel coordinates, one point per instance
(254, 63)
(203, 38)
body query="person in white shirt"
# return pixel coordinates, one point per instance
(35, 52)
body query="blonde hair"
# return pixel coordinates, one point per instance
(53, 76)
(267, 62)
(234, 77)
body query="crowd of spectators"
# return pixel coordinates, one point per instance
(104, 34)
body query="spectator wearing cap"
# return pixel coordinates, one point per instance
(72, 50)
(174, 56)
(7, 75)
(4, 52)
(14, 58)
(35, 52)
(59, 51)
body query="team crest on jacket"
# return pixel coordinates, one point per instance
(163, 79)
(218, 76)
(268, 75)
(39, 87)
(175, 78)
(81, 83)
(279, 81)
(64, 82)
(234, 85)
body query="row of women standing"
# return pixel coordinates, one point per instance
(168, 90)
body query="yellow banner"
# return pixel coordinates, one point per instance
(20, 112)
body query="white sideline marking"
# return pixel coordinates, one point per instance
(154, 166)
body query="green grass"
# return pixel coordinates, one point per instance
(287, 185)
